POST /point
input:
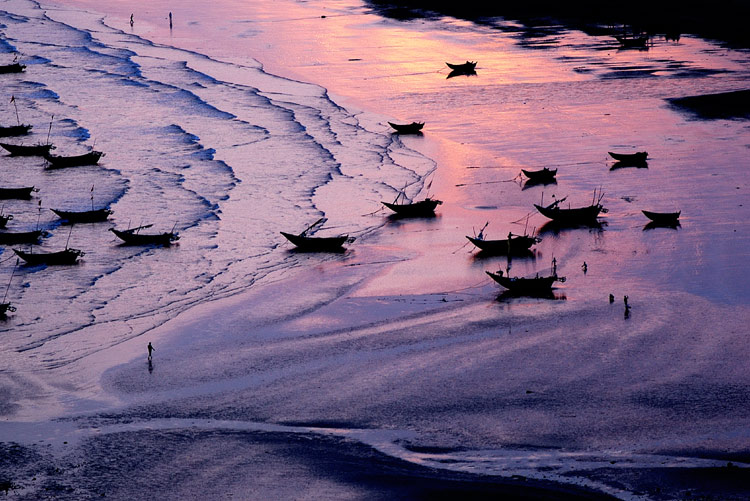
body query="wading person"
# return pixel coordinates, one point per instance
(150, 349)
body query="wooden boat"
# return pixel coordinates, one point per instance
(412, 128)
(514, 244)
(632, 41)
(630, 158)
(59, 162)
(14, 130)
(67, 256)
(5, 308)
(19, 150)
(422, 208)
(12, 68)
(4, 219)
(539, 176)
(317, 244)
(88, 216)
(533, 286)
(19, 237)
(132, 237)
(670, 218)
(25, 192)
(468, 66)
(577, 215)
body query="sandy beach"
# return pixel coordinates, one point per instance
(397, 369)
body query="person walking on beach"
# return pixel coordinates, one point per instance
(150, 349)
(131, 20)
(170, 20)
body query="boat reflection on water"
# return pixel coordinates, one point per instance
(509, 295)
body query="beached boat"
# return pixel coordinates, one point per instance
(59, 162)
(540, 176)
(514, 244)
(422, 208)
(468, 66)
(5, 308)
(578, 215)
(533, 286)
(669, 218)
(317, 244)
(20, 150)
(67, 256)
(25, 192)
(632, 41)
(12, 68)
(412, 128)
(14, 130)
(87, 216)
(19, 237)
(133, 237)
(4, 219)
(630, 158)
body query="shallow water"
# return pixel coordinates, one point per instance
(402, 332)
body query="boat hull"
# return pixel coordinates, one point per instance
(18, 193)
(60, 162)
(663, 217)
(422, 208)
(19, 150)
(4, 220)
(630, 158)
(12, 68)
(525, 286)
(412, 128)
(317, 244)
(19, 237)
(90, 216)
(518, 245)
(67, 256)
(539, 176)
(14, 130)
(571, 216)
(132, 238)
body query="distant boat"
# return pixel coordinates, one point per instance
(132, 237)
(88, 216)
(19, 237)
(412, 128)
(19, 150)
(468, 66)
(668, 218)
(515, 244)
(59, 162)
(67, 256)
(422, 208)
(578, 215)
(4, 219)
(540, 176)
(630, 158)
(14, 130)
(632, 41)
(20, 193)
(12, 68)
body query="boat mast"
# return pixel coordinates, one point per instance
(9, 281)
(50, 128)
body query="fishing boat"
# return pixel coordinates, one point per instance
(412, 128)
(25, 192)
(133, 237)
(468, 66)
(514, 244)
(532, 286)
(630, 158)
(59, 162)
(669, 218)
(14, 130)
(578, 215)
(422, 208)
(12, 68)
(632, 41)
(4, 219)
(20, 237)
(20, 150)
(540, 176)
(307, 243)
(67, 256)
(88, 216)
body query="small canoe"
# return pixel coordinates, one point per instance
(19, 237)
(518, 245)
(630, 158)
(20, 150)
(663, 217)
(570, 216)
(132, 237)
(12, 68)
(422, 208)
(59, 162)
(88, 216)
(412, 128)
(14, 130)
(19, 193)
(317, 244)
(67, 256)
(467, 66)
(540, 175)
(4, 220)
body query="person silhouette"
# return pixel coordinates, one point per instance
(150, 349)
(611, 298)
(131, 20)
(170, 20)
